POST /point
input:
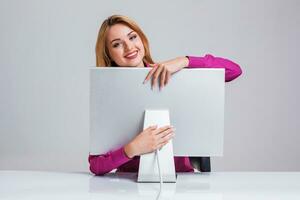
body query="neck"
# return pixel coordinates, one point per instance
(142, 64)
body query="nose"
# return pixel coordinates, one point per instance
(128, 45)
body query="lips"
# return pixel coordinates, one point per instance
(131, 55)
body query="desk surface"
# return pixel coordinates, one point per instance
(209, 186)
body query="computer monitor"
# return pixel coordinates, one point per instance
(121, 106)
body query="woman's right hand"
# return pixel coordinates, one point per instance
(149, 140)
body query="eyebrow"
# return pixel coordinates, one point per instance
(119, 38)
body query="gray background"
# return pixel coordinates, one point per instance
(46, 48)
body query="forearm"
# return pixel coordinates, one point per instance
(232, 70)
(102, 164)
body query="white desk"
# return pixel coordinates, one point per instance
(217, 185)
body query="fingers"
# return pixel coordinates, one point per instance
(159, 146)
(162, 78)
(166, 132)
(168, 76)
(150, 73)
(158, 71)
(166, 136)
(156, 75)
(151, 127)
(156, 138)
(162, 129)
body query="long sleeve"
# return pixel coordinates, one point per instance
(104, 163)
(232, 70)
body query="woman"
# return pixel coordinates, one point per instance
(122, 43)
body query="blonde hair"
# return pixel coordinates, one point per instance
(102, 55)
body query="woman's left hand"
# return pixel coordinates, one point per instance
(164, 70)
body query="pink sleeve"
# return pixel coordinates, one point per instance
(232, 70)
(104, 163)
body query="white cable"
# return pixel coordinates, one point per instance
(160, 174)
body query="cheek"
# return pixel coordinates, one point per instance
(141, 47)
(116, 54)
(142, 52)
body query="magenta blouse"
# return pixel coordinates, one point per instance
(117, 159)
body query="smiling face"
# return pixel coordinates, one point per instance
(125, 46)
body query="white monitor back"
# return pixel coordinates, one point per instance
(194, 98)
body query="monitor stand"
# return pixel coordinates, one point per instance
(148, 168)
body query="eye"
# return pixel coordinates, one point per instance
(133, 37)
(115, 45)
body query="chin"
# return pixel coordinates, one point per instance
(133, 64)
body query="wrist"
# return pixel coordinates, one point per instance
(185, 61)
(129, 151)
